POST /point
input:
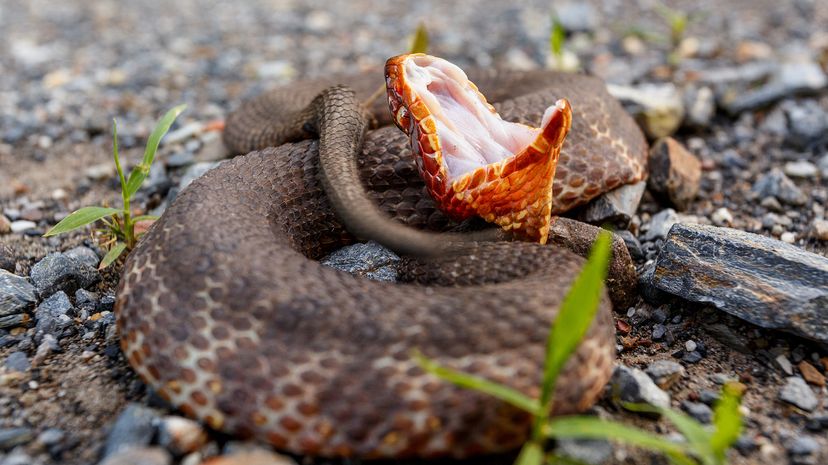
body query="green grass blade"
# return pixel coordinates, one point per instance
(145, 218)
(576, 313)
(80, 218)
(477, 383)
(420, 42)
(112, 255)
(530, 454)
(583, 427)
(556, 38)
(697, 437)
(140, 172)
(727, 420)
(553, 459)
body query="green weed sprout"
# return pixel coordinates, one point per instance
(120, 224)
(702, 446)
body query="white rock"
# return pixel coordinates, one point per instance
(722, 217)
(800, 169)
(788, 237)
(22, 225)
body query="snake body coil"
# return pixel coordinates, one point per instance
(225, 312)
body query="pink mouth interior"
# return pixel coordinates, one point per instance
(471, 134)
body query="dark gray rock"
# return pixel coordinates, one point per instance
(675, 173)
(761, 280)
(58, 271)
(797, 392)
(649, 292)
(709, 397)
(16, 294)
(807, 122)
(17, 361)
(659, 330)
(51, 436)
(135, 427)
(631, 385)
(370, 260)
(632, 243)
(12, 437)
(789, 79)
(616, 207)
(84, 298)
(52, 314)
(590, 451)
(665, 373)
(140, 455)
(776, 184)
(692, 357)
(11, 321)
(698, 410)
(84, 255)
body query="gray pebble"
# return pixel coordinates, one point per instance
(138, 455)
(52, 314)
(778, 185)
(698, 410)
(797, 392)
(633, 385)
(590, 451)
(12, 437)
(660, 224)
(690, 345)
(17, 361)
(51, 436)
(709, 397)
(692, 357)
(84, 255)
(16, 294)
(135, 427)
(58, 271)
(658, 331)
(803, 445)
(801, 169)
(665, 373)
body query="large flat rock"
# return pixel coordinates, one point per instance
(764, 281)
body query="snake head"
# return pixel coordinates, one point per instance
(472, 161)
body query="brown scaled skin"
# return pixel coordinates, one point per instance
(223, 310)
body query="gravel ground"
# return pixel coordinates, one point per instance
(744, 92)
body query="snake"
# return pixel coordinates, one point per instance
(226, 312)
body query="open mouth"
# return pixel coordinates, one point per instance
(473, 162)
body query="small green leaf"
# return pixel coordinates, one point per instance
(145, 218)
(468, 381)
(420, 42)
(112, 255)
(557, 37)
(530, 454)
(140, 172)
(727, 420)
(80, 218)
(584, 427)
(576, 313)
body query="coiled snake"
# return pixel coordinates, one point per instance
(224, 311)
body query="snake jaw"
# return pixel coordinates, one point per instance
(505, 175)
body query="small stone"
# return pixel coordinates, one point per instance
(48, 345)
(811, 374)
(20, 226)
(138, 456)
(658, 108)
(589, 451)
(17, 361)
(51, 314)
(778, 185)
(823, 165)
(807, 122)
(12, 437)
(784, 364)
(633, 385)
(745, 445)
(134, 428)
(5, 225)
(722, 379)
(84, 255)
(660, 225)
(51, 436)
(796, 392)
(658, 332)
(57, 271)
(181, 435)
(709, 397)
(370, 260)
(800, 169)
(690, 345)
(576, 16)
(803, 445)
(665, 373)
(764, 281)
(692, 357)
(698, 410)
(819, 229)
(788, 79)
(84, 298)
(632, 243)
(16, 294)
(788, 237)
(617, 206)
(722, 217)
(100, 172)
(701, 106)
(675, 173)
